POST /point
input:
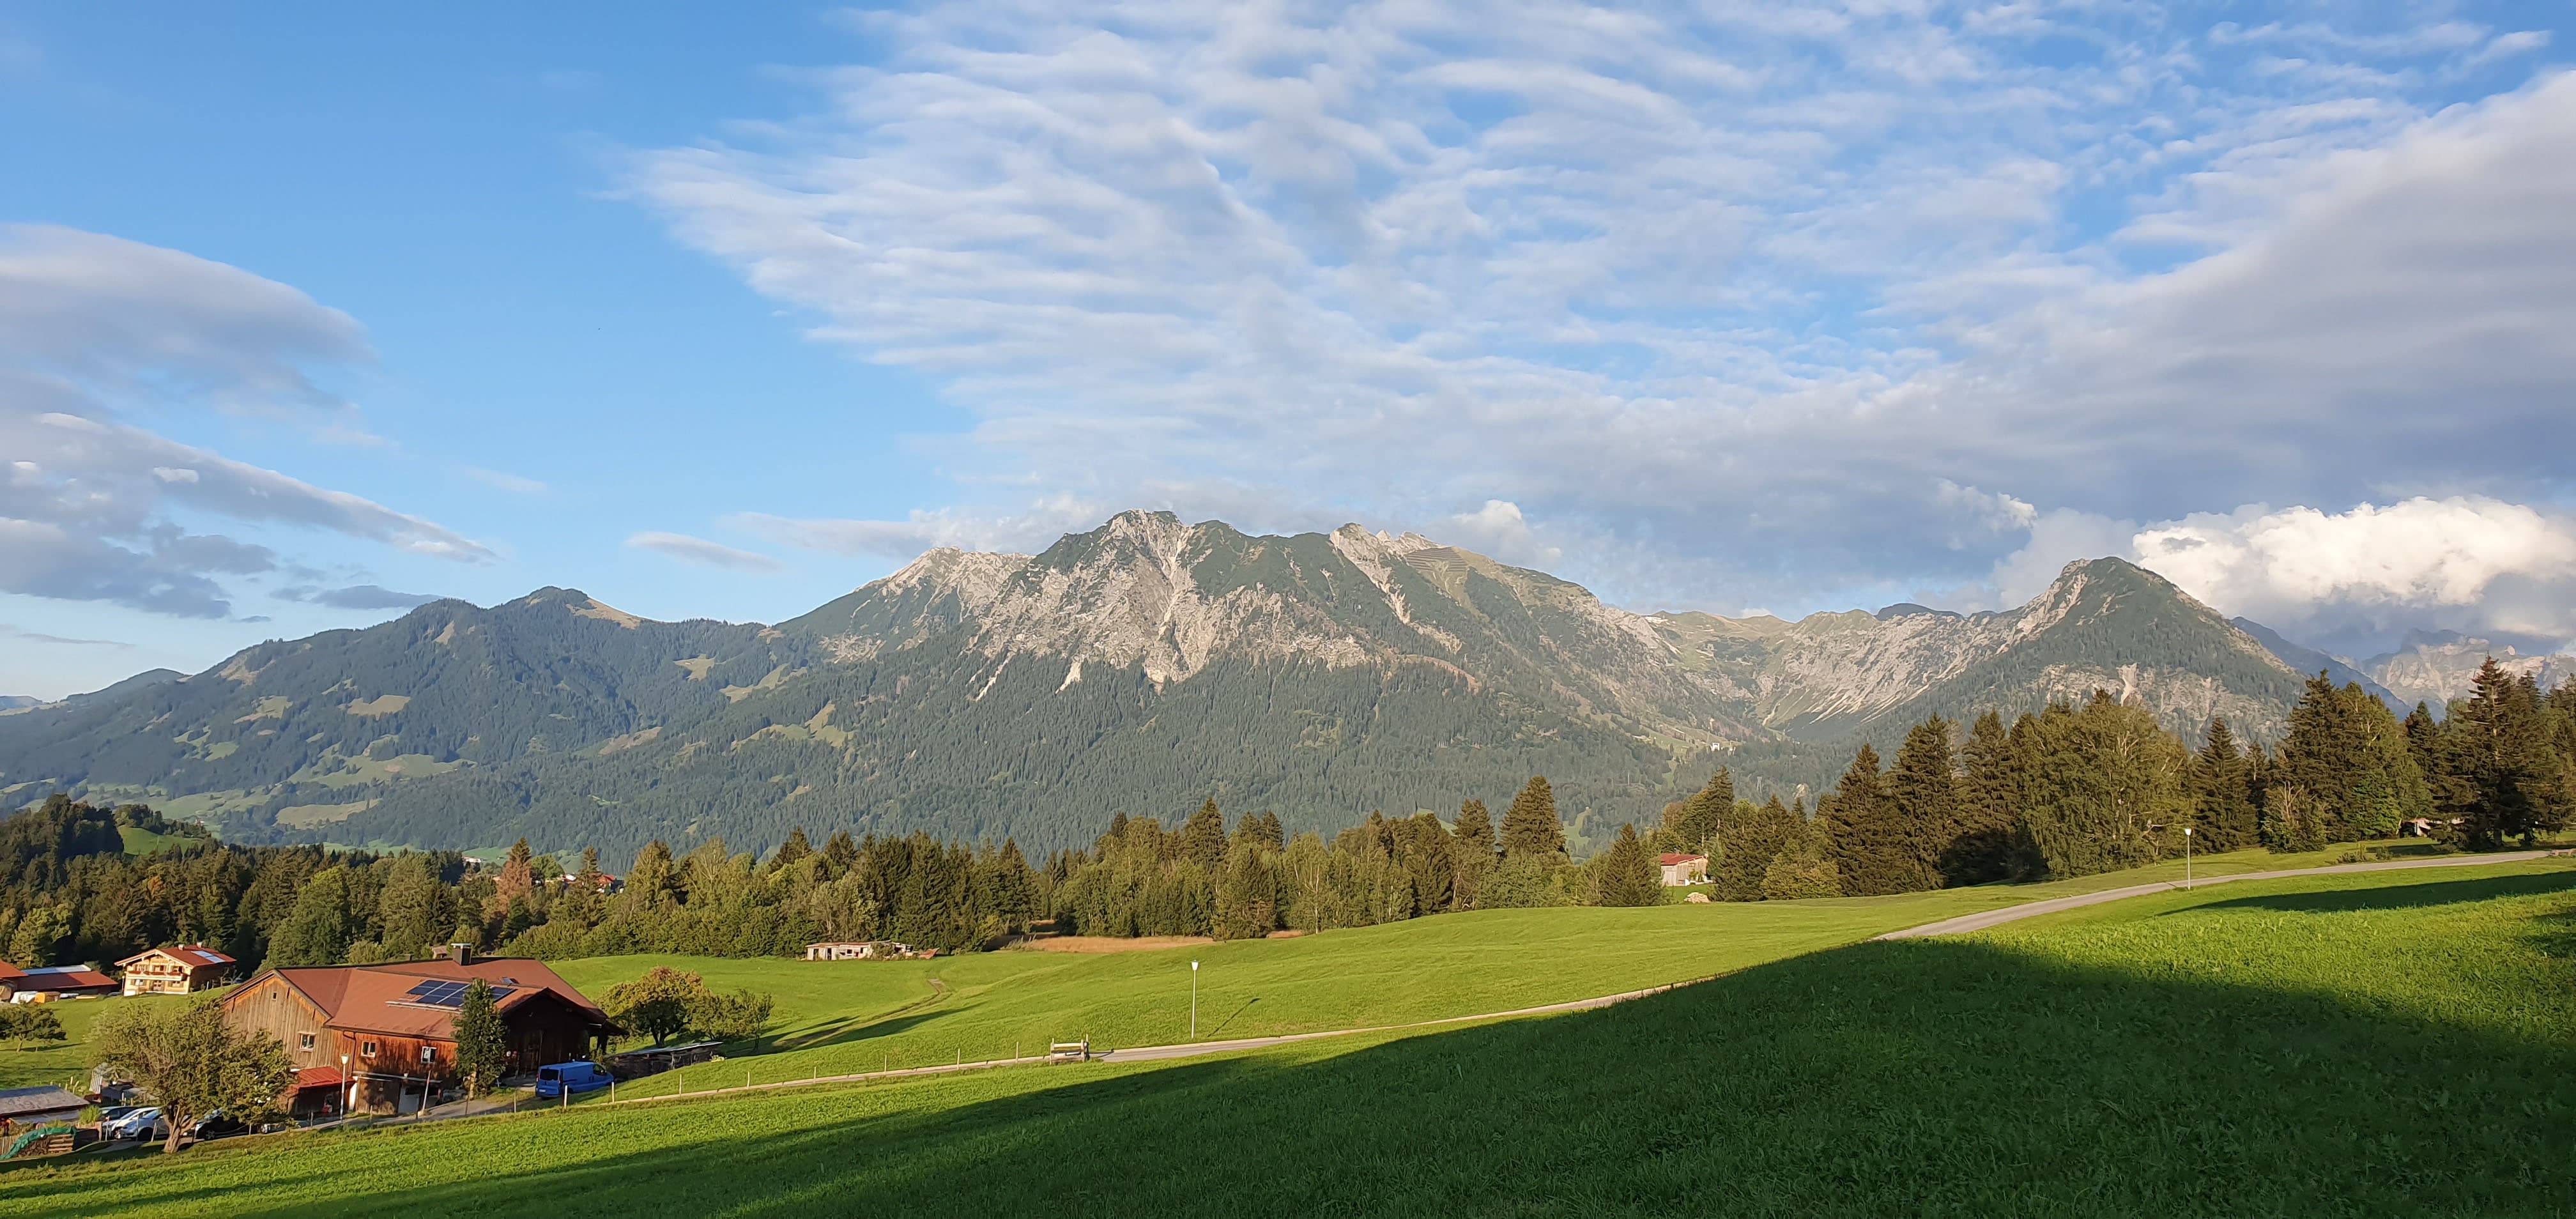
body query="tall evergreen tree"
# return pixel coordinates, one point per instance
(2106, 788)
(482, 1040)
(2222, 781)
(1203, 838)
(1530, 826)
(791, 852)
(1471, 853)
(319, 929)
(1871, 849)
(1924, 792)
(1746, 847)
(1625, 875)
(1987, 846)
(2503, 774)
(2350, 761)
(1703, 816)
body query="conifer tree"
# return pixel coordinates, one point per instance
(791, 852)
(318, 930)
(1871, 849)
(1746, 847)
(2504, 774)
(518, 878)
(1273, 835)
(1987, 846)
(1702, 817)
(482, 1040)
(650, 883)
(2106, 788)
(2224, 813)
(1625, 874)
(839, 853)
(1530, 825)
(1924, 793)
(1471, 853)
(1203, 838)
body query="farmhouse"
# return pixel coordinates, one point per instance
(1682, 870)
(58, 982)
(175, 971)
(868, 950)
(389, 1030)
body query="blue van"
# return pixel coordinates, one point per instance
(573, 1077)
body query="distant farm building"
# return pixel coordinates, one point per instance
(57, 982)
(1682, 870)
(25, 1107)
(391, 1028)
(867, 950)
(175, 971)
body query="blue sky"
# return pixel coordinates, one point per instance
(1773, 306)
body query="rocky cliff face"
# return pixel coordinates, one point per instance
(1137, 667)
(2437, 666)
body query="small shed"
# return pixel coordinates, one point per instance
(1682, 870)
(25, 1107)
(858, 950)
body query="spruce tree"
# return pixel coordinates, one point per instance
(1703, 816)
(791, 852)
(1625, 875)
(839, 853)
(2505, 776)
(1925, 795)
(2224, 812)
(1203, 839)
(482, 1040)
(1871, 850)
(1471, 852)
(1989, 807)
(1746, 846)
(1530, 826)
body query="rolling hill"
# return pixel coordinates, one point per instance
(1138, 667)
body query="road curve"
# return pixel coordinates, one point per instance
(1991, 918)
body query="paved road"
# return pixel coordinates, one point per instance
(1978, 922)
(1951, 926)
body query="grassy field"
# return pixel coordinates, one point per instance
(835, 1018)
(64, 1063)
(2383, 1044)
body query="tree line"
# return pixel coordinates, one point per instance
(2067, 791)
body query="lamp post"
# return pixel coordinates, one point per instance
(350, 1078)
(1194, 1000)
(2186, 857)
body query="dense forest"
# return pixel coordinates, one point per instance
(2068, 791)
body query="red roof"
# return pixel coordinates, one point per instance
(1669, 860)
(378, 998)
(317, 1077)
(193, 955)
(8, 971)
(65, 977)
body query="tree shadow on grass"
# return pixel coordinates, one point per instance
(2399, 896)
(1931, 1077)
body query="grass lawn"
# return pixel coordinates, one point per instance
(2381, 1044)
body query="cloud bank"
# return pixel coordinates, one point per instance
(94, 329)
(1772, 304)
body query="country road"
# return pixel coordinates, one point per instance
(1950, 926)
(1991, 918)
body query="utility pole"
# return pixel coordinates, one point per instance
(1194, 1000)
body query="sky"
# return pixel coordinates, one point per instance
(311, 313)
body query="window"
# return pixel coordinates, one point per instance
(426, 1055)
(273, 994)
(307, 1042)
(367, 1049)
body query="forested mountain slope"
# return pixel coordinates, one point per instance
(1137, 668)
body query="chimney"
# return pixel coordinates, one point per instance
(461, 953)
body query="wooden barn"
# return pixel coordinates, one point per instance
(390, 1029)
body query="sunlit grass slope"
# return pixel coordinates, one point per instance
(2386, 1044)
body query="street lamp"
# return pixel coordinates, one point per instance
(2186, 857)
(351, 1079)
(1194, 1000)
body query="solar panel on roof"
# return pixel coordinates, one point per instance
(442, 992)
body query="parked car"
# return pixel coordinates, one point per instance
(217, 1126)
(141, 1123)
(573, 1077)
(109, 1114)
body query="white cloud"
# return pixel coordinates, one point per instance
(512, 483)
(1761, 305)
(1499, 530)
(1025, 531)
(704, 553)
(94, 329)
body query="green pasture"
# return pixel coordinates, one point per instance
(2394, 1043)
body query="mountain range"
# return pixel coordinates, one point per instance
(1139, 667)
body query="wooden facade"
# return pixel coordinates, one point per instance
(397, 1054)
(175, 971)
